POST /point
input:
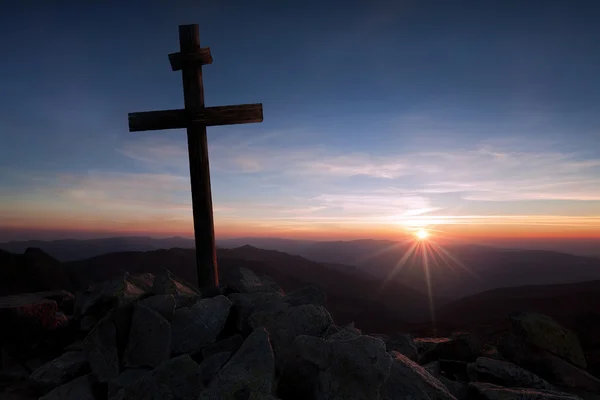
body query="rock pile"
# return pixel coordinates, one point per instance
(156, 337)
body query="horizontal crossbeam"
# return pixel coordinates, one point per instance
(200, 57)
(209, 116)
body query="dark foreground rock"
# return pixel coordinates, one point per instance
(493, 392)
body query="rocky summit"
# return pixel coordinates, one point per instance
(146, 336)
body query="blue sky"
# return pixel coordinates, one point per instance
(378, 115)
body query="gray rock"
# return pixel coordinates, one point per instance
(542, 331)
(198, 326)
(504, 373)
(144, 281)
(493, 392)
(457, 389)
(433, 368)
(408, 380)
(231, 345)
(87, 323)
(286, 325)
(107, 294)
(126, 379)
(244, 304)
(60, 370)
(77, 389)
(261, 396)
(178, 379)
(323, 369)
(76, 346)
(211, 365)
(184, 293)
(403, 343)
(100, 347)
(164, 304)
(461, 346)
(345, 333)
(547, 365)
(149, 339)
(243, 280)
(306, 295)
(271, 286)
(251, 369)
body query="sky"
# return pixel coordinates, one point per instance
(469, 118)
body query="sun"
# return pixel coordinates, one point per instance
(422, 234)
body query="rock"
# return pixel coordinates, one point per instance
(271, 286)
(144, 281)
(433, 368)
(261, 396)
(78, 389)
(408, 380)
(149, 339)
(164, 304)
(178, 379)
(211, 365)
(184, 293)
(100, 347)
(285, 325)
(461, 346)
(109, 294)
(343, 333)
(403, 343)
(542, 331)
(504, 373)
(493, 392)
(231, 345)
(64, 299)
(457, 389)
(546, 365)
(76, 346)
(126, 379)
(87, 323)
(27, 317)
(244, 304)
(251, 369)
(198, 326)
(322, 369)
(306, 295)
(13, 373)
(60, 370)
(455, 370)
(242, 280)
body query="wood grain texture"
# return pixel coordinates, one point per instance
(190, 60)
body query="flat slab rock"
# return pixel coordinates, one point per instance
(193, 328)
(77, 389)
(177, 378)
(60, 370)
(250, 369)
(505, 373)
(492, 392)
(100, 347)
(546, 333)
(149, 339)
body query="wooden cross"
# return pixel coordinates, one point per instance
(195, 117)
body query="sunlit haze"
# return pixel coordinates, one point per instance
(381, 119)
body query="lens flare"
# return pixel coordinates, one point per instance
(422, 234)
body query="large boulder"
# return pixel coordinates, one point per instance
(286, 325)
(211, 365)
(77, 389)
(323, 369)
(347, 332)
(461, 346)
(27, 317)
(100, 347)
(149, 339)
(244, 304)
(548, 366)
(126, 379)
(402, 343)
(306, 295)
(184, 293)
(244, 280)
(230, 345)
(488, 391)
(544, 332)
(504, 373)
(408, 380)
(104, 296)
(193, 328)
(60, 370)
(251, 369)
(164, 304)
(178, 378)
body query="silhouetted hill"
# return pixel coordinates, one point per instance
(352, 296)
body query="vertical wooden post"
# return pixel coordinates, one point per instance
(193, 91)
